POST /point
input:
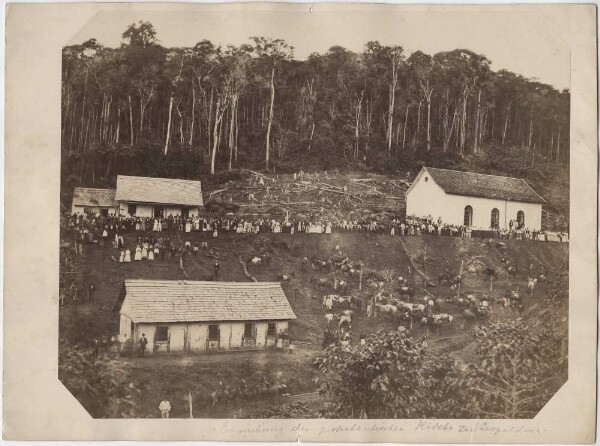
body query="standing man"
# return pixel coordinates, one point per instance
(216, 267)
(164, 407)
(91, 291)
(143, 344)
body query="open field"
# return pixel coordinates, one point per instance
(177, 375)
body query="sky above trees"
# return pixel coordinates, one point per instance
(517, 41)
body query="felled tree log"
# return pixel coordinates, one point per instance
(245, 268)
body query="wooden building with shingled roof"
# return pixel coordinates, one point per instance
(474, 199)
(90, 200)
(197, 316)
(158, 197)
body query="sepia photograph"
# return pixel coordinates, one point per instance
(335, 222)
(327, 223)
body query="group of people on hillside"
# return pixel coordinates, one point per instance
(102, 228)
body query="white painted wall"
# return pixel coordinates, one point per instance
(81, 209)
(231, 334)
(427, 198)
(147, 210)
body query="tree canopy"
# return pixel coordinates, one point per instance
(145, 109)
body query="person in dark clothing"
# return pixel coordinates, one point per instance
(143, 344)
(216, 268)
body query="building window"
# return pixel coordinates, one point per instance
(213, 332)
(158, 211)
(162, 334)
(249, 331)
(495, 219)
(520, 219)
(131, 209)
(468, 221)
(426, 179)
(271, 330)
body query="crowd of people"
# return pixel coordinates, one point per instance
(102, 228)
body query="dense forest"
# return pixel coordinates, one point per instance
(203, 111)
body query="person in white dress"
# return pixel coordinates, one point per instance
(151, 253)
(138, 253)
(144, 251)
(155, 226)
(122, 256)
(127, 256)
(188, 226)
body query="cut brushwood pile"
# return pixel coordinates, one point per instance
(330, 196)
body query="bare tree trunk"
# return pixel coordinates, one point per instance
(312, 132)
(416, 138)
(270, 123)
(358, 110)
(405, 125)
(130, 119)
(506, 123)
(118, 125)
(391, 105)
(558, 146)
(168, 137)
(210, 113)
(232, 118)
(191, 140)
(476, 132)
(429, 123)
(219, 111)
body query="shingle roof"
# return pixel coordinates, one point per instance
(485, 186)
(87, 196)
(194, 301)
(159, 190)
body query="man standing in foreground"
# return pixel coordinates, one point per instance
(143, 343)
(164, 407)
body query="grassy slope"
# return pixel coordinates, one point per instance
(175, 375)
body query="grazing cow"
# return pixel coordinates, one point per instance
(285, 277)
(345, 319)
(387, 309)
(439, 304)
(256, 260)
(344, 299)
(542, 278)
(407, 291)
(329, 317)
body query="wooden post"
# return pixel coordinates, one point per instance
(191, 405)
(491, 284)
(360, 280)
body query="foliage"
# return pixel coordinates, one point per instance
(295, 410)
(142, 109)
(521, 365)
(101, 385)
(381, 379)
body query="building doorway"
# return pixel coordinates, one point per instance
(520, 220)
(495, 222)
(468, 220)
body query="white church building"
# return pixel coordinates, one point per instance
(474, 199)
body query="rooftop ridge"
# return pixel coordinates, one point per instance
(476, 173)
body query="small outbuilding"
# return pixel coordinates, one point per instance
(474, 199)
(158, 197)
(94, 201)
(197, 316)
